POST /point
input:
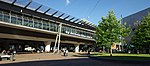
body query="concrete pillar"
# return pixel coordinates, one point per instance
(57, 41)
(47, 46)
(77, 48)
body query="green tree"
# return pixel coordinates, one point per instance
(110, 30)
(141, 36)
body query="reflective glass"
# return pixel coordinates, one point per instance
(8, 1)
(6, 17)
(26, 21)
(58, 14)
(67, 30)
(53, 27)
(30, 22)
(36, 23)
(65, 15)
(19, 19)
(13, 20)
(51, 11)
(43, 9)
(1, 16)
(63, 29)
(22, 3)
(69, 17)
(33, 5)
(45, 25)
(40, 25)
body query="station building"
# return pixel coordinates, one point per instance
(25, 23)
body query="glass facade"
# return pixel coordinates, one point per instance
(6, 17)
(46, 25)
(77, 32)
(42, 24)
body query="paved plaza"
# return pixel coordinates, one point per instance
(50, 59)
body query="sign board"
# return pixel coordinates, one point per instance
(113, 46)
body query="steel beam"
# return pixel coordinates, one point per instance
(75, 20)
(67, 17)
(71, 19)
(54, 13)
(61, 15)
(38, 8)
(47, 10)
(28, 4)
(14, 2)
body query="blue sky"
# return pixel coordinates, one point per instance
(83, 8)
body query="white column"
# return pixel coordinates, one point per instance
(47, 46)
(77, 48)
(59, 34)
(119, 46)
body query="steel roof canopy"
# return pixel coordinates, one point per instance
(28, 4)
(46, 10)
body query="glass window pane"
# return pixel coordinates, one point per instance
(40, 25)
(8, 1)
(22, 3)
(45, 25)
(26, 21)
(1, 16)
(6, 17)
(63, 29)
(36, 23)
(19, 19)
(53, 27)
(30, 22)
(13, 20)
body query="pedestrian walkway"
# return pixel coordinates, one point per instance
(50, 59)
(41, 56)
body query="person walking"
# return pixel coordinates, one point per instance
(65, 52)
(89, 52)
(12, 53)
(4, 52)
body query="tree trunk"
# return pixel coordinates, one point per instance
(138, 51)
(110, 51)
(122, 47)
(103, 51)
(149, 50)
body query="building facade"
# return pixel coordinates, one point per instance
(134, 20)
(27, 24)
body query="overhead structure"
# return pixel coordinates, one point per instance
(29, 4)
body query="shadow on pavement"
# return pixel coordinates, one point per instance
(124, 59)
(65, 62)
(71, 62)
(135, 58)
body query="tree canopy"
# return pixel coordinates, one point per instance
(110, 30)
(141, 37)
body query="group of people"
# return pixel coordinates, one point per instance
(65, 52)
(10, 52)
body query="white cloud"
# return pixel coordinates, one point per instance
(67, 2)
